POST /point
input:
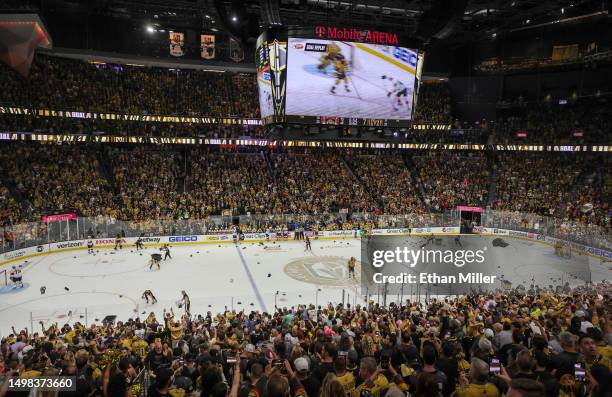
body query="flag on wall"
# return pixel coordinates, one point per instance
(177, 44)
(207, 46)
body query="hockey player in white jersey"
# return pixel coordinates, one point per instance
(398, 93)
(16, 277)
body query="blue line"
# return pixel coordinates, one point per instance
(252, 280)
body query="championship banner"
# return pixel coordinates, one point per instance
(236, 52)
(177, 44)
(565, 52)
(207, 46)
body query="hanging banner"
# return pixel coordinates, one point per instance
(565, 52)
(177, 44)
(207, 46)
(236, 52)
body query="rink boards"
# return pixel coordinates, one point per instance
(104, 243)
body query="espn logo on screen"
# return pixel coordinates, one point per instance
(316, 47)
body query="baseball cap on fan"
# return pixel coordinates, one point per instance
(301, 365)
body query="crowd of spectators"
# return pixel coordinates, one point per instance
(315, 182)
(67, 84)
(449, 179)
(139, 183)
(245, 94)
(390, 181)
(53, 178)
(514, 343)
(535, 183)
(231, 182)
(10, 210)
(580, 121)
(433, 104)
(147, 181)
(591, 204)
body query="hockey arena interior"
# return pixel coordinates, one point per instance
(304, 198)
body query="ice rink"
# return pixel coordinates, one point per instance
(214, 276)
(245, 277)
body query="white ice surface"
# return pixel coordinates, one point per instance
(111, 283)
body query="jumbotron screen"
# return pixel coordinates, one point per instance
(350, 82)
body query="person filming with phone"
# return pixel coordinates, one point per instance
(477, 382)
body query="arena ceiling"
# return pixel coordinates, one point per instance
(455, 21)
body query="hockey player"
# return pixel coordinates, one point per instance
(148, 294)
(308, 246)
(332, 53)
(90, 247)
(118, 242)
(155, 259)
(167, 249)
(340, 67)
(139, 244)
(16, 277)
(399, 92)
(186, 302)
(428, 240)
(351, 266)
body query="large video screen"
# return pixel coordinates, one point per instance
(356, 81)
(266, 103)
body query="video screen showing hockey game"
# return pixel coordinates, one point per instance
(346, 79)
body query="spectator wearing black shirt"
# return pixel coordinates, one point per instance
(449, 364)
(327, 364)
(163, 382)
(158, 357)
(118, 381)
(564, 362)
(309, 381)
(429, 367)
(256, 385)
(542, 362)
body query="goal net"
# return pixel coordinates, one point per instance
(350, 53)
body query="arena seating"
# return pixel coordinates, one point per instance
(147, 182)
(580, 121)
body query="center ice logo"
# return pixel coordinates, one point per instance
(322, 270)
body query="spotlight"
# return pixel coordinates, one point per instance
(234, 18)
(150, 29)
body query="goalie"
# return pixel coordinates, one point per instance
(333, 53)
(398, 93)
